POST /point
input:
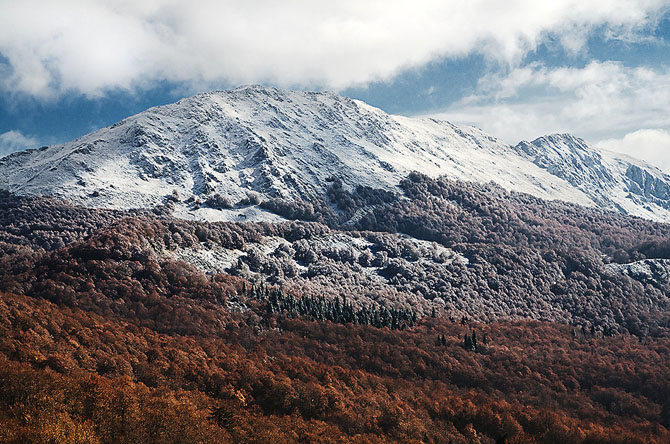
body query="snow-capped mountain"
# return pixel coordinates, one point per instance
(611, 180)
(289, 144)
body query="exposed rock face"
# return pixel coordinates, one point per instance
(643, 183)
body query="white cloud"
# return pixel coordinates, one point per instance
(14, 141)
(92, 46)
(599, 101)
(652, 145)
(603, 102)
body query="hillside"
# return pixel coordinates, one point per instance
(117, 326)
(458, 249)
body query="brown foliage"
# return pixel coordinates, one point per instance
(110, 380)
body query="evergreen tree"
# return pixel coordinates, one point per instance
(467, 342)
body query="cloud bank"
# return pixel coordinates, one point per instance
(652, 145)
(90, 47)
(606, 103)
(14, 141)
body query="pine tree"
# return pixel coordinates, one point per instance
(467, 342)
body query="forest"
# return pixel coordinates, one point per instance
(455, 313)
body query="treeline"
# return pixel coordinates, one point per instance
(338, 310)
(453, 212)
(551, 254)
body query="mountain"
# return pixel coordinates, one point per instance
(409, 298)
(611, 180)
(218, 147)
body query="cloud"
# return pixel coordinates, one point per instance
(600, 101)
(93, 46)
(652, 145)
(605, 103)
(15, 141)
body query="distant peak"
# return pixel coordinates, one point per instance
(284, 143)
(271, 90)
(244, 90)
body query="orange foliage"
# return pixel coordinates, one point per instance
(73, 376)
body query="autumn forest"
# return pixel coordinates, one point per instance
(454, 313)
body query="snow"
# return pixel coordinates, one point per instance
(611, 180)
(245, 214)
(211, 258)
(286, 144)
(651, 271)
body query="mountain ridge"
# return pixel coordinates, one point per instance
(561, 154)
(220, 146)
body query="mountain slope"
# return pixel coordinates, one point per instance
(610, 180)
(289, 144)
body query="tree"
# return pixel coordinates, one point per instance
(222, 415)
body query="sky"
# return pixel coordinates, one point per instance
(518, 69)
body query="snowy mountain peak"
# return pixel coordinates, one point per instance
(611, 180)
(223, 145)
